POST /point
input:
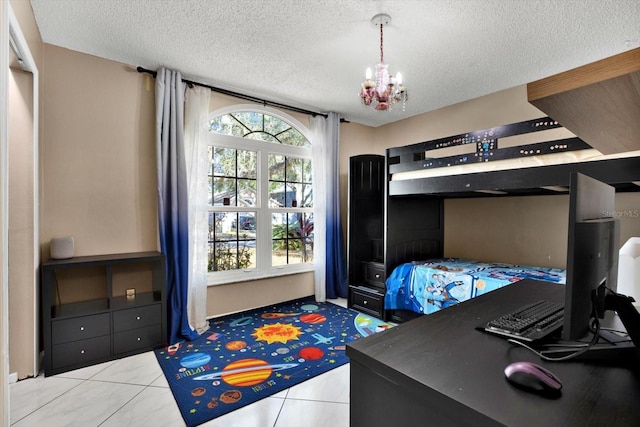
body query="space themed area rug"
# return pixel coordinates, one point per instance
(248, 356)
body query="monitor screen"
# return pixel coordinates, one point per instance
(592, 253)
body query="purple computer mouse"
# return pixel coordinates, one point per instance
(532, 377)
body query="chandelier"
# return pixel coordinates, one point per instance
(385, 90)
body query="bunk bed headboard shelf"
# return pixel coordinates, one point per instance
(493, 162)
(539, 180)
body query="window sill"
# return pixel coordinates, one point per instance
(215, 279)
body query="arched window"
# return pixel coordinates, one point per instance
(260, 195)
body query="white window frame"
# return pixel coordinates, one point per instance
(263, 211)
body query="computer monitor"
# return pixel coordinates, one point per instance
(592, 253)
(592, 270)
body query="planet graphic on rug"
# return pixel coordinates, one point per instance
(311, 353)
(368, 325)
(309, 307)
(195, 360)
(235, 345)
(313, 318)
(246, 372)
(277, 315)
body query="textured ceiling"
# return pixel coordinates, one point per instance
(312, 54)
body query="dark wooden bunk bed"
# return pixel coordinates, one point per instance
(598, 102)
(414, 208)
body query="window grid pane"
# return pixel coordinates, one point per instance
(276, 167)
(292, 238)
(287, 187)
(247, 162)
(233, 177)
(232, 241)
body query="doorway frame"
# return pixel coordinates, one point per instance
(16, 34)
(11, 31)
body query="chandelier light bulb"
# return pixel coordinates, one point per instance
(384, 90)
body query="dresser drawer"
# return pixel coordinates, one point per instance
(80, 328)
(374, 274)
(136, 339)
(137, 317)
(367, 300)
(83, 351)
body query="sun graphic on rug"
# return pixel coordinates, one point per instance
(277, 332)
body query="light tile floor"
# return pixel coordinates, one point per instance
(134, 392)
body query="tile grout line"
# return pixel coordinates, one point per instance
(82, 381)
(125, 403)
(316, 400)
(275, 422)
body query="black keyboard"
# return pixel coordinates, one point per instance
(529, 323)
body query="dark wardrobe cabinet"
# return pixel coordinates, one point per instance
(365, 243)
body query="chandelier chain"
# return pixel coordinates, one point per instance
(381, 44)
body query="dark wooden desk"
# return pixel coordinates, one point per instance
(437, 370)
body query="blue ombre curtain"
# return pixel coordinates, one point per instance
(329, 254)
(173, 217)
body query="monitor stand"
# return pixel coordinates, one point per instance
(629, 315)
(611, 346)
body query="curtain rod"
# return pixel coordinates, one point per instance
(240, 95)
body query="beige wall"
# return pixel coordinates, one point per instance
(225, 299)
(522, 230)
(98, 155)
(518, 230)
(22, 264)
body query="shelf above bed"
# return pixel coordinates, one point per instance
(598, 102)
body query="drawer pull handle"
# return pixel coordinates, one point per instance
(365, 302)
(82, 328)
(139, 339)
(81, 351)
(377, 276)
(137, 317)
